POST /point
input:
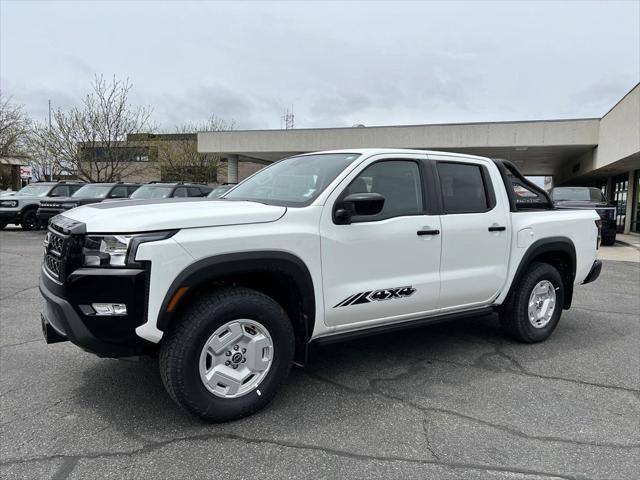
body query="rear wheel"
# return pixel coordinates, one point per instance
(227, 354)
(534, 310)
(29, 220)
(609, 240)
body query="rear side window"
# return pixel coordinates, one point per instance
(132, 189)
(180, 192)
(195, 192)
(463, 188)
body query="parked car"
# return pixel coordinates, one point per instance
(315, 248)
(171, 190)
(89, 193)
(589, 198)
(220, 190)
(20, 209)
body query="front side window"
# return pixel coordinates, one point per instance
(149, 191)
(60, 191)
(180, 192)
(93, 191)
(462, 187)
(118, 192)
(293, 182)
(398, 181)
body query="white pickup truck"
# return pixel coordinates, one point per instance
(314, 248)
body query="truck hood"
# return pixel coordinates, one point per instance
(131, 216)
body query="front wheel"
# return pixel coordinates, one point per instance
(227, 354)
(30, 220)
(533, 312)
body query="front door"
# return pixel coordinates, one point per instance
(379, 268)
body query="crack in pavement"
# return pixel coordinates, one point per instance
(71, 461)
(6, 297)
(374, 389)
(39, 339)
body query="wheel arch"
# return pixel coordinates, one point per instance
(280, 275)
(559, 252)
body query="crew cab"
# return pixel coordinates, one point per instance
(315, 248)
(589, 198)
(20, 208)
(89, 193)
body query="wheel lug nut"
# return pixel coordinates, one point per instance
(244, 360)
(235, 347)
(235, 367)
(227, 363)
(228, 354)
(244, 350)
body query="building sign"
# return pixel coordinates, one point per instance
(26, 171)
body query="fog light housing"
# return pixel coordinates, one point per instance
(113, 309)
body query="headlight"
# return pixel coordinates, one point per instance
(9, 203)
(117, 250)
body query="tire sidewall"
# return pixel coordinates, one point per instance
(274, 320)
(25, 225)
(538, 273)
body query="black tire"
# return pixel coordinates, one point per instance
(2, 226)
(514, 318)
(609, 240)
(183, 344)
(29, 220)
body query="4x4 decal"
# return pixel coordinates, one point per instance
(376, 296)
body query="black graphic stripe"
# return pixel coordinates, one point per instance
(361, 299)
(346, 300)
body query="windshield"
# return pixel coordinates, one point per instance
(92, 191)
(35, 190)
(149, 191)
(293, 182)
(577, 194)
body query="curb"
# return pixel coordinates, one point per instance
(627, 244)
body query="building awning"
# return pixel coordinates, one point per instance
(19, 161)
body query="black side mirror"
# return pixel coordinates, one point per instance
(358, 204)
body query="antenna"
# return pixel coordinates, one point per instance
(287, 119)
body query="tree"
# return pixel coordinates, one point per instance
(92, 140)
(14, 127)
(178, 156)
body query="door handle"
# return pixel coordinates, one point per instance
(428, 232)
(497, 229)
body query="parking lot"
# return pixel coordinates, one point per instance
(454, 400)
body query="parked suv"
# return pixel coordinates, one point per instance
(170, 190)
(314, 248)
(20, 209)
(220, 190)
(89, 193)
(589, 198)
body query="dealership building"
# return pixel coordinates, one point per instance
(601, 152)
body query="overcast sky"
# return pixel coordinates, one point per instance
(338, 64)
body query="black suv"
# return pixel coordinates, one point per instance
(21, 208)
(89, 193)
(589, 198)
(170, 190)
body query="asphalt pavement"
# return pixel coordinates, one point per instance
(455, 400)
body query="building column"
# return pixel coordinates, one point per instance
(232, 168)
(631, 187)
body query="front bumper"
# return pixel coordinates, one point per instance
(9, 216)
(67, 310)
(44, 214)
(594, 273)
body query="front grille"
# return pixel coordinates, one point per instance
(53, 265)
(54, 254)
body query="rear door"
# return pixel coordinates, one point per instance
(475, 232)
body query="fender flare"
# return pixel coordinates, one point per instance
(220, 266)
(542, 246)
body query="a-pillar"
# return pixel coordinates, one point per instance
(232, 168)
